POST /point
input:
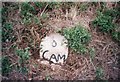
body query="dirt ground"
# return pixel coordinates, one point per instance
(77, 66)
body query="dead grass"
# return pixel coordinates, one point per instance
(77, 66)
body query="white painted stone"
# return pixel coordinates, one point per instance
(54, 48)
(45, 62)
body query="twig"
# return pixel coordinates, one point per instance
(98, 58)
(99, 41)
(43, 10)
(92, 64)
(6, 78)
(106, 47)
(13, 64)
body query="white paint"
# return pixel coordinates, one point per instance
(54, 44)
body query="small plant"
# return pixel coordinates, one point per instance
(40, 4)
(102, 5)
(7, 27)
(48, 78)
(78, 37)
(4, 12)
(6, 68)
(28, 13)
(99, 73)
(92, 53)
(83, 6)
(111, 12)
(116, 36)
(27, 7)
(24, 56)
(104, 23)
(7, 30)
(44, 16)
(53, 5)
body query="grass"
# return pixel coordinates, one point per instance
(92, 53)
(78, 37)
(7, 27)
(53, 5)
(105, 22)
(40, 4)
(28, 13)
(48, 78)
(24, 56)
(99, 73)
(27, 7)
(7, 32)
(4, 13)
(6, 68)
(83, 6)
(21, 63)
(116, 36)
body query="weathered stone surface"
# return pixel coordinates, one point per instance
(54, 48)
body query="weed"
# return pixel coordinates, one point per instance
(36, 20)
(7, 27)
(44, 16)
(40, 4)
(102, 5)
(27, 19)
(105, 21)
(116, 36)
(99, 73)
(83, 6)
(94, 4)
(48, 78)
(30, 18)
(111, 12)
(24, 56)
(78, 38)
(7, 30)
(6, 68)
(27, 7)
(53, 5)
(28, 14)
(4, 13)
(92, 53)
